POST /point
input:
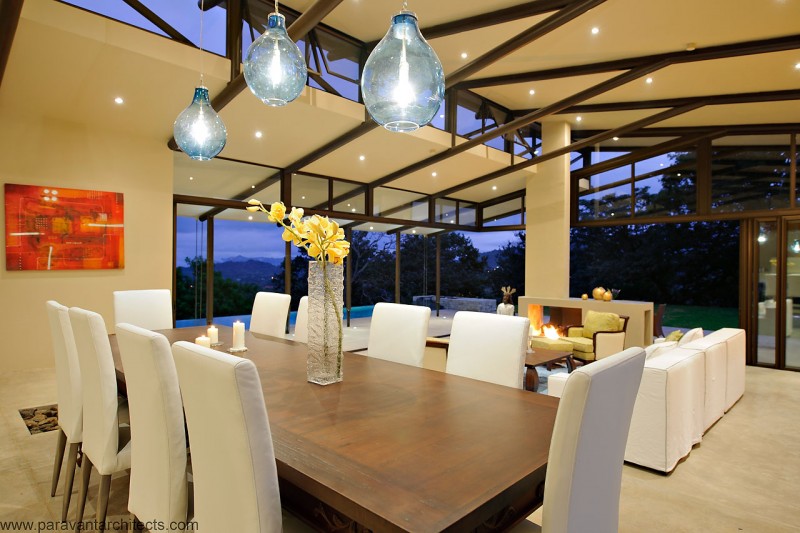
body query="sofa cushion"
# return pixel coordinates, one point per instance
(551, 344)
(691, 335)
(596, 321)
(656, 349)
(581, 344)
(674, 335)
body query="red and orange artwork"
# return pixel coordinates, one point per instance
(50, 228)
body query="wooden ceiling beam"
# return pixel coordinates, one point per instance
(10, 11)
(158, 22)
(762, 46)
(553, 22)
(739, 129)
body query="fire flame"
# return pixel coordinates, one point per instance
(551, 332)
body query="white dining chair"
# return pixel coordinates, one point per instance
(106, 443)
(270, 311)
(233, 461)
(488, 347)
(158, 482)
(301, 321)
(587, 449)
(70, 400)
(397, 333)
(149, 308)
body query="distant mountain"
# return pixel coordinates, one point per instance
(245, 270)
(491, 258)
(243, 259)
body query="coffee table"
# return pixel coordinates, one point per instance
(542, 356)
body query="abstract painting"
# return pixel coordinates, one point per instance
(51, 228)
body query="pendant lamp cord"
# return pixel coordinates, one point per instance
(405, 5)
(276, 7)
(202, 9)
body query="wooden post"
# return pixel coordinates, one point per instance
(438, 271)
(209, 270)
(397, 268)
(348, 272)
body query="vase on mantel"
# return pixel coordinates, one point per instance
(325, 303)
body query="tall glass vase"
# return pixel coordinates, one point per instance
(325, 303)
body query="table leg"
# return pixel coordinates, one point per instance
(570, 363)
(531, 379)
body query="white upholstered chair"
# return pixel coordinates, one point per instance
(106, 444)
(584, 467)
(301, 321)
(233, 461)
(488, 347)
(397, 333)
(270, 311)
(70, 400)
(149, 308)
(159, 486)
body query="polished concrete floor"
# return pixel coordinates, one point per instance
(745, 476)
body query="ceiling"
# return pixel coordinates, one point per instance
(91, 60)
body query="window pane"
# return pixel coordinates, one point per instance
(445, 211)
(748, 180)
(502, 214)
(466, 213)
(394, 203)
(666, 194)
(184, 16)
(350, 200)
(308, 191)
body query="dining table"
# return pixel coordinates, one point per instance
(394, 447)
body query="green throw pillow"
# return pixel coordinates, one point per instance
(674, 336)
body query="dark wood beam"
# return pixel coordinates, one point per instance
(10, 11)
(553, 22)
(499, 16)
(500, 199)
(260, 186)
(645, 153)
(521, 122)
(633, 126)
(233, 36)
(739, 129)
(762, 46)
(160, 23)
(717, 99)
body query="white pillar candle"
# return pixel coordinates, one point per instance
(202, 340)
(238, 334)
(213, 334)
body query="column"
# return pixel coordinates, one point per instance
(547, 219)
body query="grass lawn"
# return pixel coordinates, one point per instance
(691, 316)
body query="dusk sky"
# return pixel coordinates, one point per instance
(259, 239)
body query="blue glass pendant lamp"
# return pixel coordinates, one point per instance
(403, 81)
(274, 68)
(198, 130)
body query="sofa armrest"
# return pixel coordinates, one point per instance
(574, 331)
(555, 384)
(608, 343)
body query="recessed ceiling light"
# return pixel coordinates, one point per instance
(661, 164)
(649, 80)
(494, 187)
(191, 178)
(348, 205)
(414, 231)
(595, 30)
(679, 174)
(434, 174)
(353, 210)
(797, 66)
(361, 158)
(252, 186)
(118, 100)
(250, 217)
(531, 92)
(578, 118)
(302, 197)
(463, 55)
(616, 138)
(452, 221)
(441, 116)
(259, 135)
(371, 227)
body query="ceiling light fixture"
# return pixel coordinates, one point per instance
(274, 67)
(494, 187)
(464, 55)
(119, 100)
(762, 238)
(198, 130)
(434, 174)
(616, 138)
(191, 178)
(259, 135)
(578, 118)
(595, 30)
(361, 158)
(250, 217)
(797, 66)
(414, 231)
(648, 80)
(531, 92)
(403, 80)
(252, 186)
(371, 227)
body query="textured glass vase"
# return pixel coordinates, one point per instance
(403, 80)
(325, 303)
(274, 67)
(198, 130)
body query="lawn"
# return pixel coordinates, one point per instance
(691, 316)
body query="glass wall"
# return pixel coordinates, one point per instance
(793, 295)
(749, 179)
(767, 308)
(190, 268)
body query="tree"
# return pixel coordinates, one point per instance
(510, 269)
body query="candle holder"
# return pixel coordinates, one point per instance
(215, 344)
(237, 350)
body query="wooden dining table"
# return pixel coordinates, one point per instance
(394, 447)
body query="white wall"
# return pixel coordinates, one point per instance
(39, 151)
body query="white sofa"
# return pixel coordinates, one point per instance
(684, 391)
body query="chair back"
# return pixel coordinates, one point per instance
(588, 445)
(233, 461)
(270, 311)
(301, 321)
(99, 380)
(397, 333)
(68, 372)
(158, 484)
(488, 347)
(149, 308)
(595, 321)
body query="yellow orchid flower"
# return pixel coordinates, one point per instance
(277, 211)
